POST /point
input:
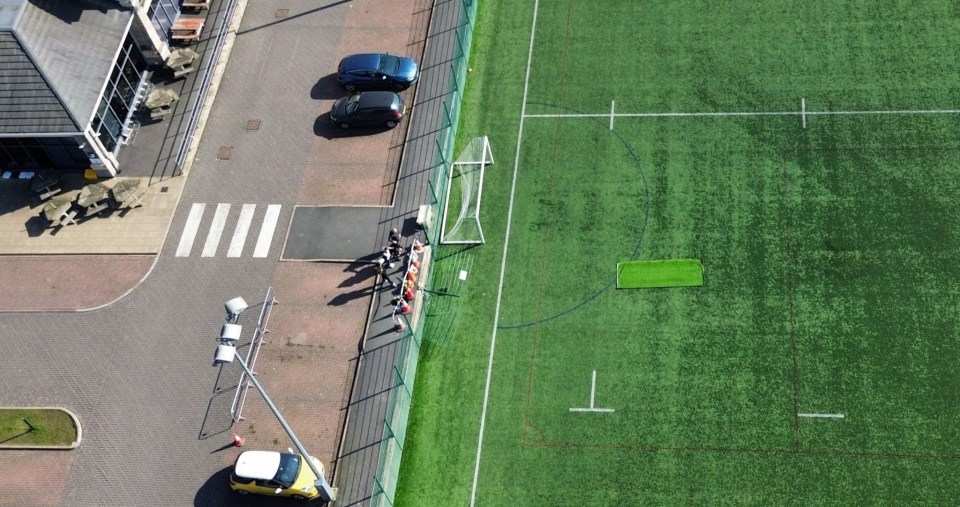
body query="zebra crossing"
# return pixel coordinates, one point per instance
(241, 229)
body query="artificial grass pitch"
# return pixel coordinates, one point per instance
(659, 273)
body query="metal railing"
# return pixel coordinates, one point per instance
(252, 353)
(205, 80)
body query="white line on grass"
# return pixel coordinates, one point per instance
(821, 416)
(593, 392)
(503, 261)
(747, 113)
(612, 113)
(803, 110)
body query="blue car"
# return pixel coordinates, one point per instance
(374, 71)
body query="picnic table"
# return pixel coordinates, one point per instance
(45, 186)
(127, 194)
(93, 198)
(58, 211)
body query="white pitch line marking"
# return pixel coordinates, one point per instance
(190, 229)
(216, 230)
(240, 232)
(612, 113)
(593, 392)
(821, 416)
(503, 259)
(803, 111)
(746, 113)
(266, 231)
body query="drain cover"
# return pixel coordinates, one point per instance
(224, 153)
(253, 124)
(282, 13)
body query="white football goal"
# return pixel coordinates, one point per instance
(461, 210)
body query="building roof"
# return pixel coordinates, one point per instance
(55, 58)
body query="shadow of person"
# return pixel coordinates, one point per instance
(346, 297)
(362, 271)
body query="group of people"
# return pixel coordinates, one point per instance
(391, 253)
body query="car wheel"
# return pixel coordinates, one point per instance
(242, 492)
(350, 87)
(391, 124)
(344, 126)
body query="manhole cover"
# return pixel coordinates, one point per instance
(282, 13)
(224, 153)
(253, 124)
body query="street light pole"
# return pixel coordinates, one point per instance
(326, 492)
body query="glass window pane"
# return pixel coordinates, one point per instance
(108, 141)
(119, 107)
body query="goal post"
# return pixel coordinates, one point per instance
(461, 209)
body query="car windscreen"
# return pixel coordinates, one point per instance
(288, 470)
(352, 103)
(389, 64)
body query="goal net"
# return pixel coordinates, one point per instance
(461, 212)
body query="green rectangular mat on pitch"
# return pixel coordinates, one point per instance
(659, 273)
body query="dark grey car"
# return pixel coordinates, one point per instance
(368, 109)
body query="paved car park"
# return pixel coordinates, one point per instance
(137, 369)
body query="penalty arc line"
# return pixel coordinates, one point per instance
(503, 260)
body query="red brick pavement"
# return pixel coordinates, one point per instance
(67, 282)
(360, 167)
(308, 361)
(33, 478)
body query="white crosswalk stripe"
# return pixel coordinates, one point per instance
(190, 229)
(216, 230)
(240, 233)
(266, 232)
(220, 222)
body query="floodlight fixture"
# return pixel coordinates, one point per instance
(234, 308)
(230, 332)
(225, 354)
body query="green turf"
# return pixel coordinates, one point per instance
(832, 254)
(659, 273)
(36, 426)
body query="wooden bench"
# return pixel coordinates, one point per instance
(196, 4)
(96, 208)
(187, 29)
(50, 192)
(68, 218)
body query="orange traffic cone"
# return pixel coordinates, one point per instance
(400, 326)
(417, 246)
(404, 308)
(415, 263)
(238, 440)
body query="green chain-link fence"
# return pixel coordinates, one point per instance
(405, 368)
